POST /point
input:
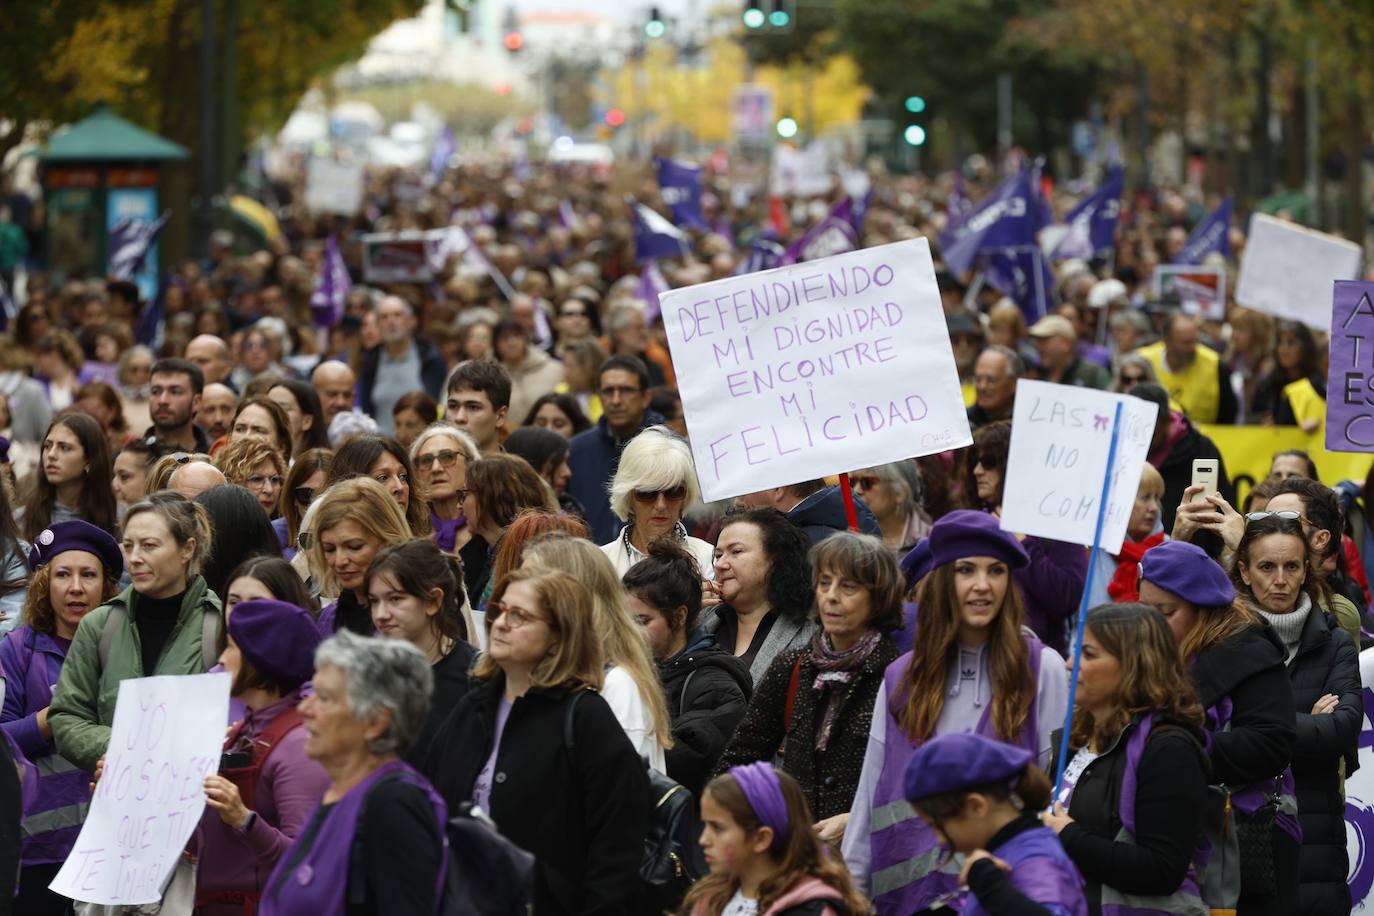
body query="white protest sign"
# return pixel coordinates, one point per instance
(1287, 270)
(795, 373)
(333, 187)
(1060, 436)
(167, 735)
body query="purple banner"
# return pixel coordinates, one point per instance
(1350, 378)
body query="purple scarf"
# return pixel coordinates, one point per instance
(837, 672)
(446, 530)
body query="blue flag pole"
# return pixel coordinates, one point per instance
(1083, 606)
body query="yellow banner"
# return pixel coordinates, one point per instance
(1249, 450)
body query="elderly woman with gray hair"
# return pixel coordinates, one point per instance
(655, 483)
(895, 493)
(375, 844)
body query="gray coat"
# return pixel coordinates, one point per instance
(787, 633)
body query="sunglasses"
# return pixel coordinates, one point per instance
(446, 458)
(989, 462)
(1287, 514)
(649, 497)
(303, 496)
(1132, 379)
(866, 482)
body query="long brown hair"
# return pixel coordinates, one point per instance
(1216, 625)
(921, 691)
(1152, 675)
(97, 503)
(798, 855)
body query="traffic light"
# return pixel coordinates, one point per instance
(754, 16)
(513, 39)
(655, 27)
(615, 117)
(781, 17)
(915, 104)
(914, 135)
(787, 128)
(915, 132)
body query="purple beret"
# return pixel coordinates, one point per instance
(969, 533)
(74, 534)
(1185, 569)
(916, 564)
(954, 763)
(278, 638)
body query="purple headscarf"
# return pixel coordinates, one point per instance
(759, 782)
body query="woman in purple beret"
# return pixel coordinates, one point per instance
(266, 786)
(375, 844)
(974, 668)
(1236, 663)
(77, 569)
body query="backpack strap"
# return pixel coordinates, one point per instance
(113, 620)
(569, 735)
(276, 730)
(682, 694)
(211, 627)
(792, 685)
(816, 907)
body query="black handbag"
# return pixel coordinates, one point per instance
(1255, 837)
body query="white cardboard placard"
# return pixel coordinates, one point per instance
(333, 187)
(794, 373)
(166, 738)
(1060, 436)
(1287, 270)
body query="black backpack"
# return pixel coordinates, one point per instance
(672, 860)
(488, 875)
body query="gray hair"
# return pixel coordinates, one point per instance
(1134, 318)
(466, 447)
(1016, 366)
(480, 315)
(618, 318)
(903, 478)
(656, 459)
(379, 674)
(349, 424)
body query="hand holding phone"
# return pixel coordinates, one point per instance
(1205, 476)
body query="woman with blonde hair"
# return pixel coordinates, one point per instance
(654, 485)
(632, 686)
(582, 808)
(353, 520)
(254, 464)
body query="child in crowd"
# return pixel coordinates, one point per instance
(982, 799)
(765, 856)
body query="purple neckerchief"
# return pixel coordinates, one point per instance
(318, 883)
(446, 529)
(759, 782)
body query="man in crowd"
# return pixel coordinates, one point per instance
(594, 455)
(174, 392)
(216, 412)
(402, 363)
(813, 507)
(1191, 372)
(194, 478)
(336, 385)
(1056, 342)
(212, 355)
(478, 400)
(994, 384)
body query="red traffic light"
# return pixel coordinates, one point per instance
(514, 41)
(615, 117)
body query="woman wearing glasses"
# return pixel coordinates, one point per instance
(582, 810)
(653, 486)
(304, 482)
(1276, 575)
(254, 464)
(1132, 370)
(441, 456)
(895, 493)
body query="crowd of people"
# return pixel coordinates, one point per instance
(451, 548)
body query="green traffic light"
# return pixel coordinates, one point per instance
(915, 134)
(915, 104)
(654, 28)
(779, 19)
(754, 18)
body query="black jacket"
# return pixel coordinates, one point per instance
(1325, 662)
(433, 373)
(707, 690)
(822, 514)
(829, 779)
(1171, 787)
(450, 684)
(583, 814)
(1248, 668)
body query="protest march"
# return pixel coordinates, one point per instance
(545, 506)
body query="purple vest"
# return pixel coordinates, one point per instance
(1042, 871)
(318, 883)
(53, 820)
(1187, 900)
(910, 870)
(1249, 799)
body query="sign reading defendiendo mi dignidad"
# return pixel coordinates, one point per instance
(831, 365)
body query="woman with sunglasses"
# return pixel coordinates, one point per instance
(441, 456)
(1051, 585)
(1131, 370)
(895, 492)
(304, 482)
(653, 486)
(1276, 575)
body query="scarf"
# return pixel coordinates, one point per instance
(1289, 626)
(446, 530)
(837, 672)
(1125, 584)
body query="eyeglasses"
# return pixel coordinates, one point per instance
(258, 480)
(649, 497)
(1132, 379)
(181, 458)
(515, 617)
(447, 459)
(303, 495)
(1287, 514)
(573, 313)
(866, 482)
(617, 392)
(255, 345)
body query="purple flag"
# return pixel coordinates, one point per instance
(1092, 224)
(1009, 217)
(833, 235)
(332, 287)
(655, 237)
(566, 217)
(1023, 275)
(444, 148)
(764, 254)
(129, 243)
(1349, 380)
(724, 229)
(1212, 234)
(958, 205)
(680, 185)
(652, 284)
(150, 322)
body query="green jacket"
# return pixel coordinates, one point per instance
(1347, 615)
(83, 705)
